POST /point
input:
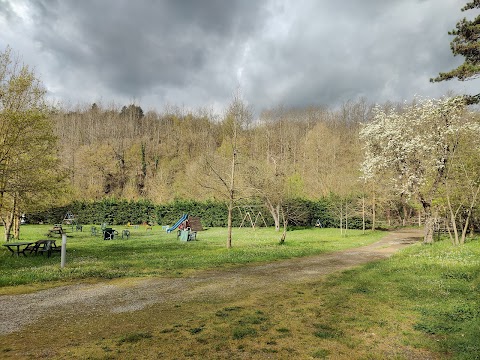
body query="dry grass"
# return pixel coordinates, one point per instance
(302, 322)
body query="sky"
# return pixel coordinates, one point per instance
(199, 53)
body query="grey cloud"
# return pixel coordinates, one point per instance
(133, 46)
(5, 9)
(336, 52)
(281, 52)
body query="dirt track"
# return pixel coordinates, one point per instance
(134, 294)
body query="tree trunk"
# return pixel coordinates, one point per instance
(341, 219)
(465, 228)
(429, 223)
(469, 214)
(142, 175)
(453, 221)
(285, 225)
(450, 233)
(467, 220)
(346, 219)
(277, 218)
(8, 228)
(9, 221)
(16, 225)
(231, 199)
(373, 212)
(275, 212)
(229, 224)
(363, 214)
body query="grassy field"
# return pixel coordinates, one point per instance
(422, 303)
(154, 252)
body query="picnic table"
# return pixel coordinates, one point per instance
(56, 230)
(44, 246)
(18, 247)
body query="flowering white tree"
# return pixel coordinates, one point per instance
(414, 147)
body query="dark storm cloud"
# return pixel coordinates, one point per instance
(134, 46)
(382, 50)
(195, 53)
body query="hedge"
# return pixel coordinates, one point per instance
(213, 213)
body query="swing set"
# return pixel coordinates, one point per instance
(247, 212)
(71, 220)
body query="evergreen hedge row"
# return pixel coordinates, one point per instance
(212, 213)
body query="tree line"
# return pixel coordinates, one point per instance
(286, 153)
(110, 151)
(99, 152)
(418, 159)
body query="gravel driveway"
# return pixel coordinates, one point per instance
(136, 293)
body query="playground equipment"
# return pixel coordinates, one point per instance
(248, 210)
(187, 228)
(178, 223)
(71, 219)
(194, 223)
(186, 235)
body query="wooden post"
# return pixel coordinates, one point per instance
(64, 250)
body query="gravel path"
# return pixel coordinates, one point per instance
(136, 293)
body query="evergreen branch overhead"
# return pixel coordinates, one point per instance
(466, 43)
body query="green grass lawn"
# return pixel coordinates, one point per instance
(154, 252)
(422, 303)
(425, 297)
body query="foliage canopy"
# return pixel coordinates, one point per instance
(466, 43)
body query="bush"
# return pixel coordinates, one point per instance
(213, 213)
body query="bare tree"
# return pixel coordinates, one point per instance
(223, 177)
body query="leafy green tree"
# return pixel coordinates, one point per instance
(29, 166)
(466, 44)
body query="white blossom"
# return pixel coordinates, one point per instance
(416, 143)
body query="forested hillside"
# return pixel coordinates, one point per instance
(417, 153)
(161, 156)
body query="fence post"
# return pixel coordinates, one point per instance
(64, 250)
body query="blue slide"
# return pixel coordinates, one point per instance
(177, 224)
